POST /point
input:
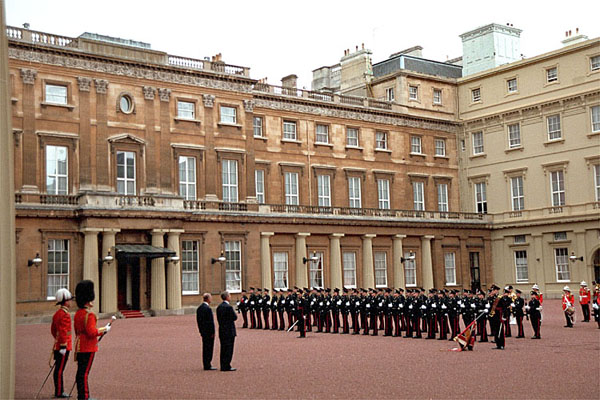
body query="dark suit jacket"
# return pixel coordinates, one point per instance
(226, 317)
(205, 320)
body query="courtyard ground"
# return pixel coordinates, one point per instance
(160, 357)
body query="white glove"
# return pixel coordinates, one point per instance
(472, 305)
(487, 306)
(347, 304)
(390, 305)
(512, 304)
(540, 308)
(252, 302)
(579, 298)
(434, 305)
(410, 307)
(486, 311)
(368, 306)
(460, 303)
(238, 303)
(357, 303)
(107, 327)
(292, 302)
(401, 305)
(595, 306)
(444, 307)
(282, 302)
(423, 307)
(527, 307)
(462, 306)
(62, 352)
(380, 305)
(321, 303)
(339, 303)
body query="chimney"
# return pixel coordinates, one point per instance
(289, 81)
(572, 39)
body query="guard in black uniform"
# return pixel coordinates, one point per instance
(281, 308)
(517, 308)
(242, 307)
(344, 310)
(301, 307)
(336, 304)
(266, 307)
(274, 301)
(252, 308)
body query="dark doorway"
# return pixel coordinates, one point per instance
(474, 264)
(597, 266)
(128, 297)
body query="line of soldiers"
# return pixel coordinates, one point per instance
(414, 312)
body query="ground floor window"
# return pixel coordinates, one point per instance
(316, 271)
(189, 267)
(349, 261)
(280, 268)
(410, 270)
(233, 266)
(58, 266)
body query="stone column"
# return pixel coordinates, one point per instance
(399, 280)
(90, 256)
(367, 252)
(174, 271)
(426, 262)
(335, 261)
(265, 260)
(157, 280)
(108, 296)
(301, 268)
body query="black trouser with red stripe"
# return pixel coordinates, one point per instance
(281, 320)
(521, 333)
(252, 320)
(482, 329)
(84, 364)
(396, 325)
(274, 319)
(345, 325)
(336, 321)
(266, 315)
(60, 363)
(432, 326)
(374, 324)
(245, 316)
(585, 308)
(535, 324)
(388, 325)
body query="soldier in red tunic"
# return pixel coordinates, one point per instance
(61, 331)
(568, 302)
(584, 300)
(87, 333)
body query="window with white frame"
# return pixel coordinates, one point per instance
(126, 173)
(480, 198)
(349, 263)
(476, 95)
(322, 134)
(440, 147)
(477, 142)
(521, 268)
(410, 270)
(389, 94)
(291, 188)
(418, 196)
(230, 181)
(324, 190)
(437, 96)
(257, 126)
(442, 190)
(561, 261)
(316, 271)
(597, 181)
(57, 170)
(352, 137)
(413, 93)
(514, 136)
(354, 193)
(189, 267)
(228, 115)
(233, 266)
(56, 94)
(560, 236)
(383, 193)
(186, 109)
(280, 270)
(595, 112)
(58, 266)
(380, 268)
(516, 193)
(518, 239)
(415, 145)
(450, 268)
(512, 85)
(381, 140)
(289, 130)
(552, 74)
(595, 63)
(259, 183)
(187, 177)
(554, 132)
(557, 186)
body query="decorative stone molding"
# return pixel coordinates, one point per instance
(164, 94)
(209, 100)
(84, 83)
(149, 92)
(101, 86)
(28, 75)
(249, 106)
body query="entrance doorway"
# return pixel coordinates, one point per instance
(596, 260)
(474, 265)
(128, 282)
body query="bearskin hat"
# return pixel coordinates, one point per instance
(84, 293)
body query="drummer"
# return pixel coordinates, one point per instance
(568, 301)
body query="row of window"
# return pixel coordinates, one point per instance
(561, 265)
(413, 94)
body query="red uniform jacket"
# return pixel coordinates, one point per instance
(86, 331)
(61, 329)
(584, 296)
(567, 298)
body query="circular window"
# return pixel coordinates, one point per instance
(126, 104)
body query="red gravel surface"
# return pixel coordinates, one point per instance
(160, 357)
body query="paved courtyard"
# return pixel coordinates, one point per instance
(161, 358)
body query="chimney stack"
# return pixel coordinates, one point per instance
(289, 81)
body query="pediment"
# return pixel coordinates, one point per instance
(126, 138)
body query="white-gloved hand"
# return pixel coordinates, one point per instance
(62, 352)
(410, 307)
(434, 305)
(512, 304)
(423, 307)
(527, 307)
(487, 306)
(401, 305)
(540, 308)
(107, 327)
(486, 311)
(595, 306)
(444, 307)
(472, 305)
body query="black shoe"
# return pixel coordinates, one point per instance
(227, 370)
(498, 348)
(62, 396)
(210, 369)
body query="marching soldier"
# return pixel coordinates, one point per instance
(584, 301)
(242, 306)
(517, 309)
(61, 331)
(534, 308)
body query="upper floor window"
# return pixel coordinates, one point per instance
(480, 198)
(478, 143)
(389, 94)
(228, 115)
(289, 130)
(560, 236)
(440, 147)
(381, 140)
(597, 181)
(257, 125)
(58, 266)
(514, 136)
(437, 96)
(352, 137)
(595, 119)
(516, 190)
(259, 181)
(521, 266)
(512, 85)
(554, 132)
(561, 262)
(56, 94)
(415, 145)
(126, 104)
(187, 177)
(413, 93)
(57, 170)
(383, 192)
(595, 63)
(418, 196)
(186, 109)
(322, 134)
(552, 75)
(476, 95)
(450, 268)
(324, 190)
(230, 181)
(557, 187)
(519, 239)
(442, 189)
(126, 173)
(354, 195)
(291, 188)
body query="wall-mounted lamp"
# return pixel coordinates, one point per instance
(313, 258)
(574, 258)
(173, 259)
(37, 260)
(411, 257)
(108, 258)
(220, 259)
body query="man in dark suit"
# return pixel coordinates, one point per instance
(226, 317)
(206, 327)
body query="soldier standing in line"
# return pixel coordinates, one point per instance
(482, 306)
(388, 310)
(418, 314)
(336, 304)
(355, 311)
(373, 312)
(251, 308)
(274, 301)
(290, 306)
(534, 308)
(308, 313)
(453, 314)
(409, 305)
(301, 306)
(242, 306)
(396, 312)
(442, 315)
(517, 309)
(266, 307)
(431, 305)
(402, 310)
(365, 311)
(61, 331)
(345, 309)
(260, 302)
(281, 308)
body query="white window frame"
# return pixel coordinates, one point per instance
(57, 160)
(410, 270)
(290, 130)
(521, 266)
(316, 271)
(418, 196)
(450, 268)
(381, 140)
(517, 195)
(437, 96)
(561, 264)
(257, 126)
(187, 177)
(349, 269)
(280, 270)
(440, 147)
(259, 183)
(233, 266)
(597, 181)
(512, 85)
(514, 136)
(291, 188)
(477, 139)
(229, 181)
(380, 268)
(125, 179)
(554, 127)
(595, 116)
(595, 63)
(56, 94)
(322, 134)
(186, 109)
(383, 193)
(475, 95)
(352, 141)
(416, 144)
(354, 192)
(57, 249)
(413, 92)
(480, 197)
(551, 74)
(389, 94)
(324, 190)
(442, 191)
(190, 267)
(557, 188)
(228, 114)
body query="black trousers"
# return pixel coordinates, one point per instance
(208, 344)
(84, 364)
(535, 324)
(60, 362)
(585, 308)
(226, 352)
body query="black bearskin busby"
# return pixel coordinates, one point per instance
(84, 293)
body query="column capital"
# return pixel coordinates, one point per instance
(267, 234)
(164, 94)
(91, 231)
(302, 234)
(101, 85)
(428, 237)
(158, 232)
(369, 236)
(111, 230)
(28, 75)
(149, 92)
(399, 236)
(336, 235)
(175, 231)
(84, 83)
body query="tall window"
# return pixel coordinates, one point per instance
(512, 85)
(440, 147)
(389, 94)
(554, 132)
(552, 75)
(383, 192)
(280, 269)
(381, 141)
(259, 182)
(186, 109)
(228, 115)
(324, 190)
(354, 198)
(189, 267)
(476, 95)
(57, 170)
(450, 268)
(595, 119)
(521, 266)
(595, 63)
(418, 196)
(289, 130)
(415, 144)
(257, 125)
(349, 260)
(516, 190)
(380, 268)
(126, 173)
(413, 93)
(597, 181)
(514, 136)
(352, 137)
(316, 271)
(187, 178)
(442, 189)
(480, 198)
(437, 96)
(230, 181)
(233, 266)
(557, 184)
(410, 270)
(322, 134)
(561, 261)
(291, 188)
(478, 143)
(56, 94)
(58, 266)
